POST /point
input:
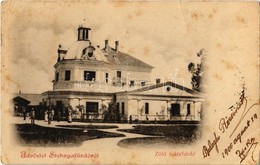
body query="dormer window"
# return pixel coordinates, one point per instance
(88, 53)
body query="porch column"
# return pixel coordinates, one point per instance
(168, 109)
(194, 110)
(102, 110)
(69, 100)
(80, 109)
(138, 109)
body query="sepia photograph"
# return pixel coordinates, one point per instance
(129, 82)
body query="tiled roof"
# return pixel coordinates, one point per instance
(120, 58)
(34, 99)
(21, 100)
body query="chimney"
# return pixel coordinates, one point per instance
(158, 81)
(106, 44)
(116, 45)
(58, 59)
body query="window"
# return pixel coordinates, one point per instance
(175, 109)
(81, 34)
(57, 76)
(89, 76)
(92, 107)
(146, 108)
(118, 74)
(188, 109)
(59, 107)
(132, 83)
(67, 75)
(86, 34)
(123, 108)
(143, 83)
(106, 77)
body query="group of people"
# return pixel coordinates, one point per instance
(32, 115)
(48, 115)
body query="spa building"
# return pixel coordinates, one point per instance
(102, 83)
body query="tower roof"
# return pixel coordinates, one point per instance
(76, 51)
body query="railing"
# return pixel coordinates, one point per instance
(164, 117)
(91, 116)
(119, 81)
(98, 116)
(183, 117)
(153, 117)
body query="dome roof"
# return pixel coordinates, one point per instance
(78, 49)
(85, 50)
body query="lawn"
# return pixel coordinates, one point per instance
(35, 135)
(166, 135)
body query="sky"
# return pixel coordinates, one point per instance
(166, 35)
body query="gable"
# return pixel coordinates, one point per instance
(33, 99)
(21, 101)
(166, 89)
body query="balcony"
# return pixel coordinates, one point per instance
(119, 81)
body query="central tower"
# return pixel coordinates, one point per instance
(83, 33)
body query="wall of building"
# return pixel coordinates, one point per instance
(76, 100)
(77, 81)
(161, 109)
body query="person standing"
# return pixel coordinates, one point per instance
(69, 114)
(130, 119)
(46, 116)
(32, 114)
(52, 114)
(49, 117)
(69, 117)
(24, 112)
(59, 115)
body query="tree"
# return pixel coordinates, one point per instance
(196, 71)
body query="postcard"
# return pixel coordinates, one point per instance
(129, 82)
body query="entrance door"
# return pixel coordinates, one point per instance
(188, 110)
(92, 107)
(175, 109)
(59, 108)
